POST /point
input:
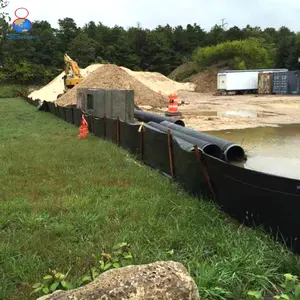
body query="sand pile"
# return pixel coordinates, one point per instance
(160, 83)
(206, 81)
(114, 77)
(55, 87)
(154, 81)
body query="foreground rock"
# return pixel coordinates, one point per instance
(157, 281)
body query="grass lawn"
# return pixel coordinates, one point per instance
(12, 90)
(64, 199)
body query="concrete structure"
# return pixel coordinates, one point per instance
(111, 103)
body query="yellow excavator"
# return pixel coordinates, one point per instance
(72, 73)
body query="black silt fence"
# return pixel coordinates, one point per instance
(36, 102)
(188, 171)
(57, 113)
(44, 106)
(69, 115)
(61, 112)
(111, 131)
(99, 127)
(130, 137)
(52, 108)
(156, 150)
(89, 119)
(77, 114)
(258, 199)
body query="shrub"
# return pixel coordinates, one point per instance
(12, 90)
(246, 54)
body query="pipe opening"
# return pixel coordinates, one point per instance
(213, 150)
(180, 123)
(234, 153)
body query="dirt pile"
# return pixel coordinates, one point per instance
(114, 77)
(55, 87)
(206, 81)
(160, 83)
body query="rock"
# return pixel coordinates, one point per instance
(158, 281)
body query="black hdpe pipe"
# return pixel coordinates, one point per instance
(231, 151)
(206, 147)
(183, 144)
(148, 117)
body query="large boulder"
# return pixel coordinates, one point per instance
(158, 281)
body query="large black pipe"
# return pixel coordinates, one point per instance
(147, 117)
(205, 146)
(183, 144)
(231, 151)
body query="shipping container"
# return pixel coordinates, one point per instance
(242, 80)
(264, 83)
(294, 82)
(280, 83)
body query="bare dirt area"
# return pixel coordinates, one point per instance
(203, 111)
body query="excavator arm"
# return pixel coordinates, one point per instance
(72, 73)
(71, 67)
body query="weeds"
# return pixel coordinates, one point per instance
(120, 257)
(52, 282)
(289, 290)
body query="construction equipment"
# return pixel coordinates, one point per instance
(72, 73)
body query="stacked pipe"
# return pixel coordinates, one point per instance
(188, 142)
(209, 144)
(231, 152)
(148, 117)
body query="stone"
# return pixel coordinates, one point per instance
(157, 281)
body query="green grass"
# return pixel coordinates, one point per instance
(13, 90)
(63, 199)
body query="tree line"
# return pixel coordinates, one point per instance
(162, 49)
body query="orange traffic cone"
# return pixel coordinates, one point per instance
(173, 106)
(83, 129)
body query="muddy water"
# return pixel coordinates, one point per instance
(273, 150)
(237, 113)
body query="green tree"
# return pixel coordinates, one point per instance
(234, 33)
(158, 53)
(294, 54)
(67, 32)
(46, 46)
(137, 38)
(3, 5)
(82, 49)
(216, 35)
(285, 42)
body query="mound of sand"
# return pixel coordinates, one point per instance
(160, 83)
(114, 77)
(154, 81)
(206, 81)
(55, 87)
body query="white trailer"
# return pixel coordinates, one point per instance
(241, 80)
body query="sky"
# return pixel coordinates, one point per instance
(151, 13)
